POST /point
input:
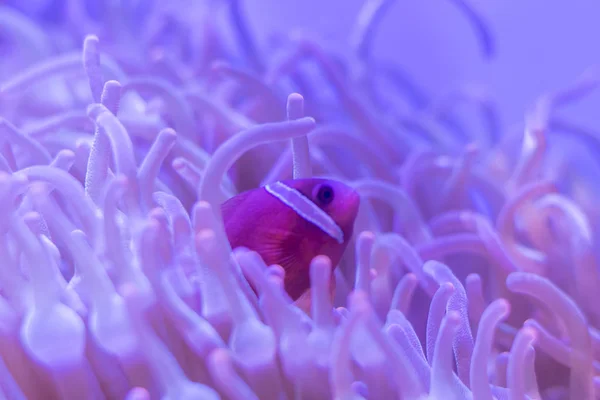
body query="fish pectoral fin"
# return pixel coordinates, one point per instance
(276, 255)
(278, 246)
(285, 248)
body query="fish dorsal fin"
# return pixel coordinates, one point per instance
(306, 209)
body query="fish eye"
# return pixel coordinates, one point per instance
(325, 194)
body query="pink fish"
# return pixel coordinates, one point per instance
(290, 222)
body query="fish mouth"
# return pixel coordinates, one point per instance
(350, 213)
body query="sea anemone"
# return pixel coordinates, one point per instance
(472, 272)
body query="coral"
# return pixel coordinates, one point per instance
(472, 273)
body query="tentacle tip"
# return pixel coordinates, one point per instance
(91, 38)
(295, 97)
(276, 270)
(219, 356)
(310, 122)
(530, 332)
(138, 393)
(504, 305)
(366, 235)
(38, 190)
(158, 213)
(82, 144)
(205, 239)
(359, 301)
(453, 317)
(121, 180)
(112, 84)
(130, 293)
(531, 322)
(321, 262)
(67, 153)
(96, 110)
(202, 205)
(168, 133)
(514, 278)
(411, 277)
(32, 217)
(78, 233)
(178, 163)
(430, 267)
(241, 250)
